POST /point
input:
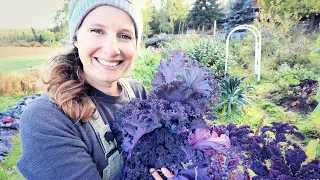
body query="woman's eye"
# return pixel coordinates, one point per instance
(98, 31)
(125, 37)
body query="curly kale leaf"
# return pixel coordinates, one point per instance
(196, 82)
(136, 119)
(280, 129)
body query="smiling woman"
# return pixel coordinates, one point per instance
(107, 45)
(66, 133)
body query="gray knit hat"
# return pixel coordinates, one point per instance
(79, 9)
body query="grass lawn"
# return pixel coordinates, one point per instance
(21, 64)
(21, 58)
(8, 170)
(8, 101)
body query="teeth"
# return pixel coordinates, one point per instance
(106, 63)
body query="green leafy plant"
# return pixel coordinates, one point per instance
(316, 52)
(183, 43)
(144, 67)
(316, 111)
(233, 96)
(293, 75)
(211, 53)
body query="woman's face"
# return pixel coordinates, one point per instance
(106, 44)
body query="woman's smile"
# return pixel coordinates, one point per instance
(108, 63)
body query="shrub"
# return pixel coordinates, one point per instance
(210, 52)
(292, 75)
(293, 53)
(316, 52)
(144, 67)
(183, 43)
(14, 84)
(47, 44)
(23, 43)
(32, 43)
(37, 44)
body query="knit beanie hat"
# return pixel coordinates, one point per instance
(79, 9)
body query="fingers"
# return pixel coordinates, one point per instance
(155, 174)
(164, 171)
(167, 173)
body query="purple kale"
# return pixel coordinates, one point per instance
(295, 158)
(310, 170)
(281, 130)
(157, 149)
(196, 81)
(163, 130)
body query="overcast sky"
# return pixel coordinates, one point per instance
(24, 14)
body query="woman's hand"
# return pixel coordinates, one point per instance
(164, 171)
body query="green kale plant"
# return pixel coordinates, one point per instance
(232, 95)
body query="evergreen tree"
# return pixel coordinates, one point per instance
(240, 13)
(204, 13)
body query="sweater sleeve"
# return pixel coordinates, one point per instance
(51, 146)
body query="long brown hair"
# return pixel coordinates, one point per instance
(66, 84)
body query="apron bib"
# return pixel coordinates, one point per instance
(111, 153)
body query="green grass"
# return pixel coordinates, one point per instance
(8, 170)
(22, 63)
(8, 101)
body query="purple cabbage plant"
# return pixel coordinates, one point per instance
(169, 129)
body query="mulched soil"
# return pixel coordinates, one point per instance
(291, 104)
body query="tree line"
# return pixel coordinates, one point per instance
(176, 16)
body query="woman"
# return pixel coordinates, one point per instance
(65, 134)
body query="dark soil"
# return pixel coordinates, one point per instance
(291, 104)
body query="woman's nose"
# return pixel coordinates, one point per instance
(111, 47)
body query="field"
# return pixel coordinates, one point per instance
(21, 58)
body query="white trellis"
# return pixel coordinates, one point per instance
(257, 58)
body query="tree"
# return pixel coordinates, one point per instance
(35, 37)
(160, 23)
(309, 9)
(49, 37)
(60, 19)
(204, 13)
(240, 13)
(182, 12)
(147, 14)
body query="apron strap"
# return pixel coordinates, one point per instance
(109, 147)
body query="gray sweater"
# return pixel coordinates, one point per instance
(55, 147)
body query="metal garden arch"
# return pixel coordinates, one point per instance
(257, 59)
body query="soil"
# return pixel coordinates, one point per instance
(291, 104)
